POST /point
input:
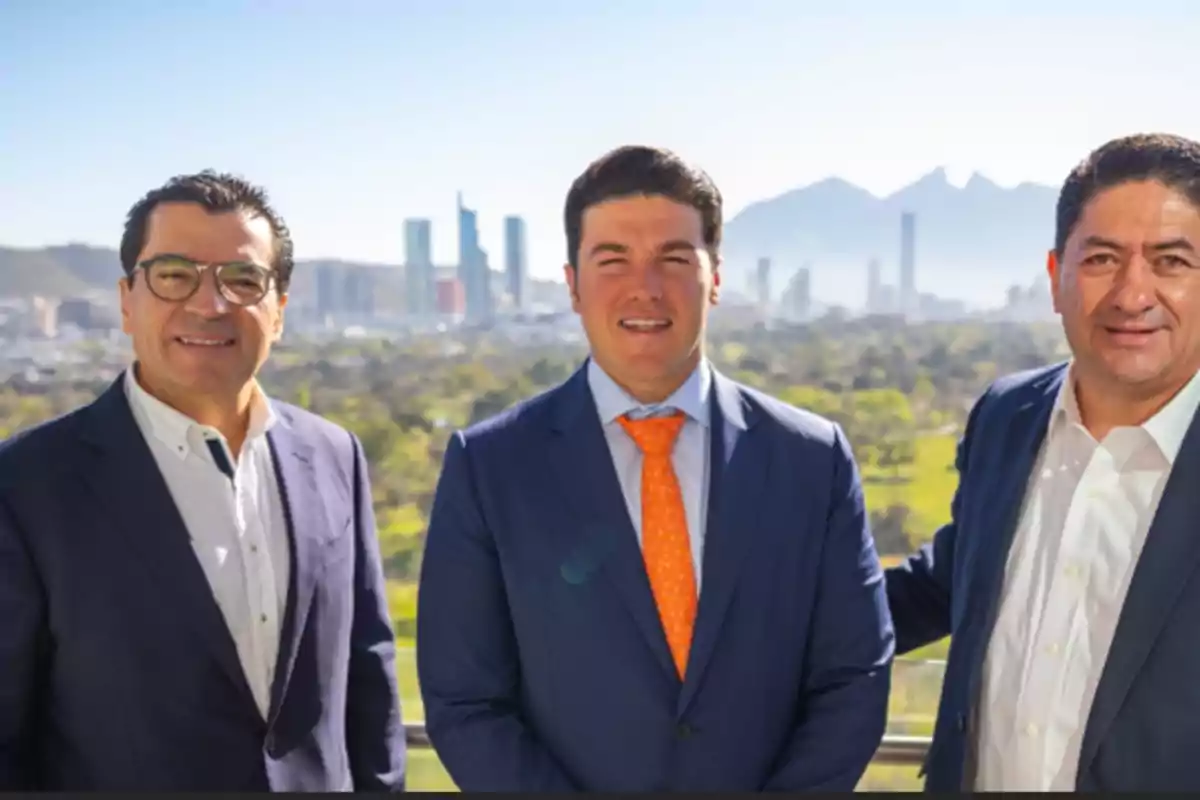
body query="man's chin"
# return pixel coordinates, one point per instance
(1131, 371)
(211, 382)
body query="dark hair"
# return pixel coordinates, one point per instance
(1170, 160)
(639, 170)
(216, 192)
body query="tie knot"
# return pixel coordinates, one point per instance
(654, 436)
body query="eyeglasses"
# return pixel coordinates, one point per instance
(175, 279)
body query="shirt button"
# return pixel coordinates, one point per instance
(1053, 649)
(253, 548)
(1031, 730)
(263, 618)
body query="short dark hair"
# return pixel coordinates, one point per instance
(639, 170)
(217, 192)
(1168, 159)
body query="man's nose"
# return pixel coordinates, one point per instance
(1136, 287)
(207, 301)
(649, 281)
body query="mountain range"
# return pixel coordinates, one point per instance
(971, 242)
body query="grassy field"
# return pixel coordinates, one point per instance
(926, 487)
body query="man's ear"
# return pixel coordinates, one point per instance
(714, 293)
(124, 287)
(277, 332)
(571, 276)
(1054, 271)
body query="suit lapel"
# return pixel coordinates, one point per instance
(1025, 433)
(737, 478)
(597, 517)
(307, 522)
(1169, 560)
(126, 481)
(1021, 442)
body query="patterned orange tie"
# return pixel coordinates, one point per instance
(666, 548)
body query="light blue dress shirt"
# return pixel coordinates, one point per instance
(690, 457)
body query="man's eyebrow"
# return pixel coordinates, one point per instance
(608, 247)
(1101, 241)
(1173, 244)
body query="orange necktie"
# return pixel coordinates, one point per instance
(666, 548)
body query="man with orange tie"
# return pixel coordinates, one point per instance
(651, 578)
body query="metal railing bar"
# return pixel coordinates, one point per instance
(893, 751)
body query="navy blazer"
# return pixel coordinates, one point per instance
(1144, 725)
(542, 660)
(117, 670)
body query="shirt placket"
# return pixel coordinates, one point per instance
(1046, 663)
(255, 582)
(1068, 603)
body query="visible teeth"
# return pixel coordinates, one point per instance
(204, 342)
(645, 323)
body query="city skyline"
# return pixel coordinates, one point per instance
(365, 113)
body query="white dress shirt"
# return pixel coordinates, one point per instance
(236, 522)
(690, 456)
(1088, 508)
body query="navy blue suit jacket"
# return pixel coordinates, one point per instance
(542, 660)
(1144, 725)
(117, 670)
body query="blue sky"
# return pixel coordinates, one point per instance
(356, 114)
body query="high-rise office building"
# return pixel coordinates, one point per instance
(797, 299)
(515, 265)
(874, 283)
(763, 283)
(419, 285)
(473, 269)
(450, 299)
(908, 266)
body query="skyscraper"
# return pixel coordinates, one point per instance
(908, 280)
(515, 265)
(763, 283)
(472, 266)
(797, 297)
(803, 305)
(419, 286)
(874, 282)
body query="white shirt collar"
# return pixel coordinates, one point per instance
(1167, 427)
(180, 432)
(692, 397)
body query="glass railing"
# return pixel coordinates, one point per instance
(915, 689)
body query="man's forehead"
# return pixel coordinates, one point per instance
(1139, 205)
(1138, 214)
(642, 220)
(192, 230)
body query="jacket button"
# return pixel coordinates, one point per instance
(684, 731)
(272, 749)
(962, 723)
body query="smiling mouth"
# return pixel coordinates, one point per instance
(204, 341)
(1132, 331)
(1131, 337)
(645, 325)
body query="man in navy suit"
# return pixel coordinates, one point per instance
(191, 592)
(1069, 576)
(651, 577)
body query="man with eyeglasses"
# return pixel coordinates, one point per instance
(191, 591)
